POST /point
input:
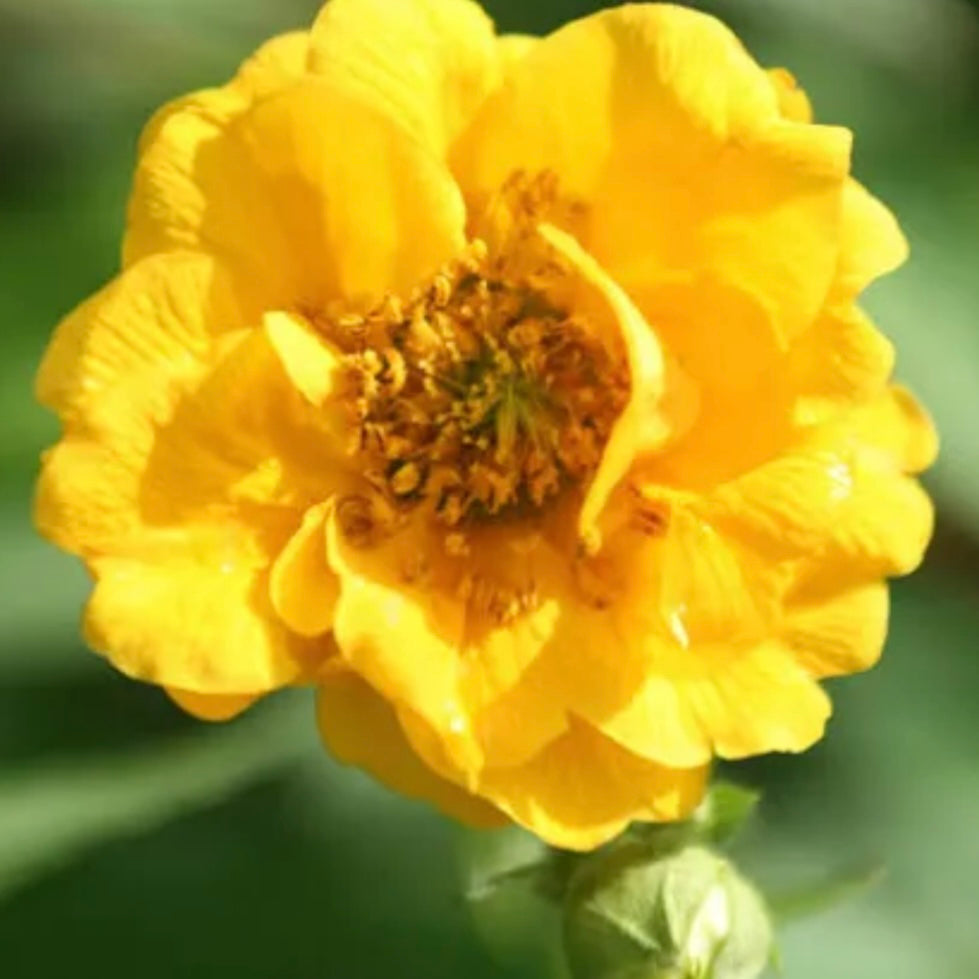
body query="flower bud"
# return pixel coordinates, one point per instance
(635, 914)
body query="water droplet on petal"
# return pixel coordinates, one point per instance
(678, 626)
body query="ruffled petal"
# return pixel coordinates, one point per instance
(842, 360)
(194, 616)
(642, 427)
(647, 606)
(726, 699)
(872, 243)
(309, 194)
(183, 603)
(303, 588)
(360, 728)
(171, 409)
(669, 602)
(428, 64)
(244, 436)
(658, 111)
(507, 586)
(276, 65)
(402, 637)
(835, 506)
(657, 721)
(793, 103)
(753, 701)
(513, 48)
(186, 448)
(721, 699)
(744, 399)
(312, 364)
(212, 707)
(131, 348)
(583, 790)
(838, 634)
(899, 429)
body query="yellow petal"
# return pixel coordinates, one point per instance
(896, 425)
(139, 340)
(520, 722)
(303, 588)
(277, 64)
(720, 698)
(309, 194)
(427, 64)
(360, 728)
(755, 700)
(705, 589)
(155, 432)
(194, 616)
(658, 722)
(679, 596)
(641, 427)
(657, 111)
(400, 636)
(245, 435)
(834, 506)
(506, 588)
(583, 790)
(744, 397)
(838, 634)
(513, 48)
(654, 603)
(212, 707)
(841, 360)
(148, 485)
(793, 102)
(872, 243)
(312, 364)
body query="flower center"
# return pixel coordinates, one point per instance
(480, 395)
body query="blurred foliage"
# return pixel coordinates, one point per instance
(134, 841)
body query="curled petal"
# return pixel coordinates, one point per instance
(840, 633)
(360, 727)
(192, 621)
(402, 638)
(427, 64)
(303, 588)
(582, 789)
(849, 509)
(658, 119)
(872, 243)
(641, 427)
(212, 707)
(309, 194)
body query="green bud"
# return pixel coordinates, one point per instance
(633, 914)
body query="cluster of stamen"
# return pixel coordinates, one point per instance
(478, 395)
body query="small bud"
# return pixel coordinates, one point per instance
(636, 914)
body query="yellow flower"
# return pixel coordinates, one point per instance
(512, 391)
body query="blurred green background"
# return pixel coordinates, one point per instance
(136, 842)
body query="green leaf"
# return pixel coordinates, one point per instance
(722, 814)
(514, 884)
(53, 814)
(725, 811)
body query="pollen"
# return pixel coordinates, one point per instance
(482, 394)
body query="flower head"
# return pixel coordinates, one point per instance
(512, 391)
